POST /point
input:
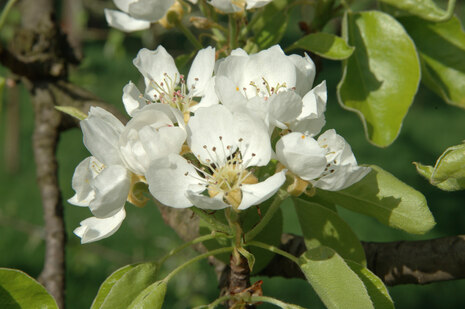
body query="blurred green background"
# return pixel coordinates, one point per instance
(429, 128)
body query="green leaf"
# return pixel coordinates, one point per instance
(125, 285)
(426, 9)
(376, 289)
(386, 198)
(108, 284)
(18, 290)
(249, 256)
(72, 111)
(322, 226)
(449, 171)
(271, 23)
(333, 280)
(381, 77)
(181, 61)
(2, 88)
(442, 52)
(271, 234)
(325, 45)
(150, 298)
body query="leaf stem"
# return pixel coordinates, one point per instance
(280, 196)
(203, 238)
(249, 299)
(195, 259)
(232, 32)
(5, 12)
(273, 249)
(189, 35)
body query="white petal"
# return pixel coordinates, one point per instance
(255, 146)
(124, 22)
(168, 181)
(210, 98)
(212, 128)
(81, 183)
(158, 67)
(285, 106)
(93, 229)
(252, 4)
(255, 194)
(201, 71)
(132, 98)
(338, 148)
(111, 191)
(229, 94)
(150, 10)
(305, 70)
(123, 5)
(206, 202)
(343, 177)
(308, 126)
(226, 6)
(101, 132)
(302, 155)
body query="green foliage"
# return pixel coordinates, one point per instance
(270, 25)
(20, 291)
(376, 289)
(323, 227)
(125, 285)
(150, 298)
(72, 111)
(381, 77)
(325, 45)
(449, 171)
(426, 9)
(386, 198)
(333, 280)
(442, 52)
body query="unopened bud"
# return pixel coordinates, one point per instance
(201, 22)
(173, 16)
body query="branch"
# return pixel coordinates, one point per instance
(399, 262)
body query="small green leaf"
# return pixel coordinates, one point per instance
(322, 226)
(381, 77)
(442, 51)
(376, 289)
(333, 280)
(249, 256)
(130, 281)
(271, 23)
(426, 9)
(325, 45)
(108, 284)
(72, 111)
(449, 172)
(19, 291)
(386, 198)
(150, 298)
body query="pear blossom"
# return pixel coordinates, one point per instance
(233, 6)
(164, 84)
(270, 85)
(101, 181)
(136, 14)
(156, 130)
(226, 146)
(341, 169)
(93, 228)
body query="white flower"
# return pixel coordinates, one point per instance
(302, 155)
(341, 169)
(164, 83)
(136, 14)
(226, 146)
(101, 182)
(93, 229)
(151, 134)
(269, 84)
(232, 6)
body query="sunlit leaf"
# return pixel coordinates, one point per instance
(333, 280)
(325, 45)
(426, 9)
(442, 52)
(20, 291)
(376, 289)
(381, 77)
(271, 23)
(150, 298)
(322, 226)
(125, 285)
(72, 111)
(386, 198)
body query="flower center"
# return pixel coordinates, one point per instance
(265, 89)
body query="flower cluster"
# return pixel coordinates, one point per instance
(205, 140)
